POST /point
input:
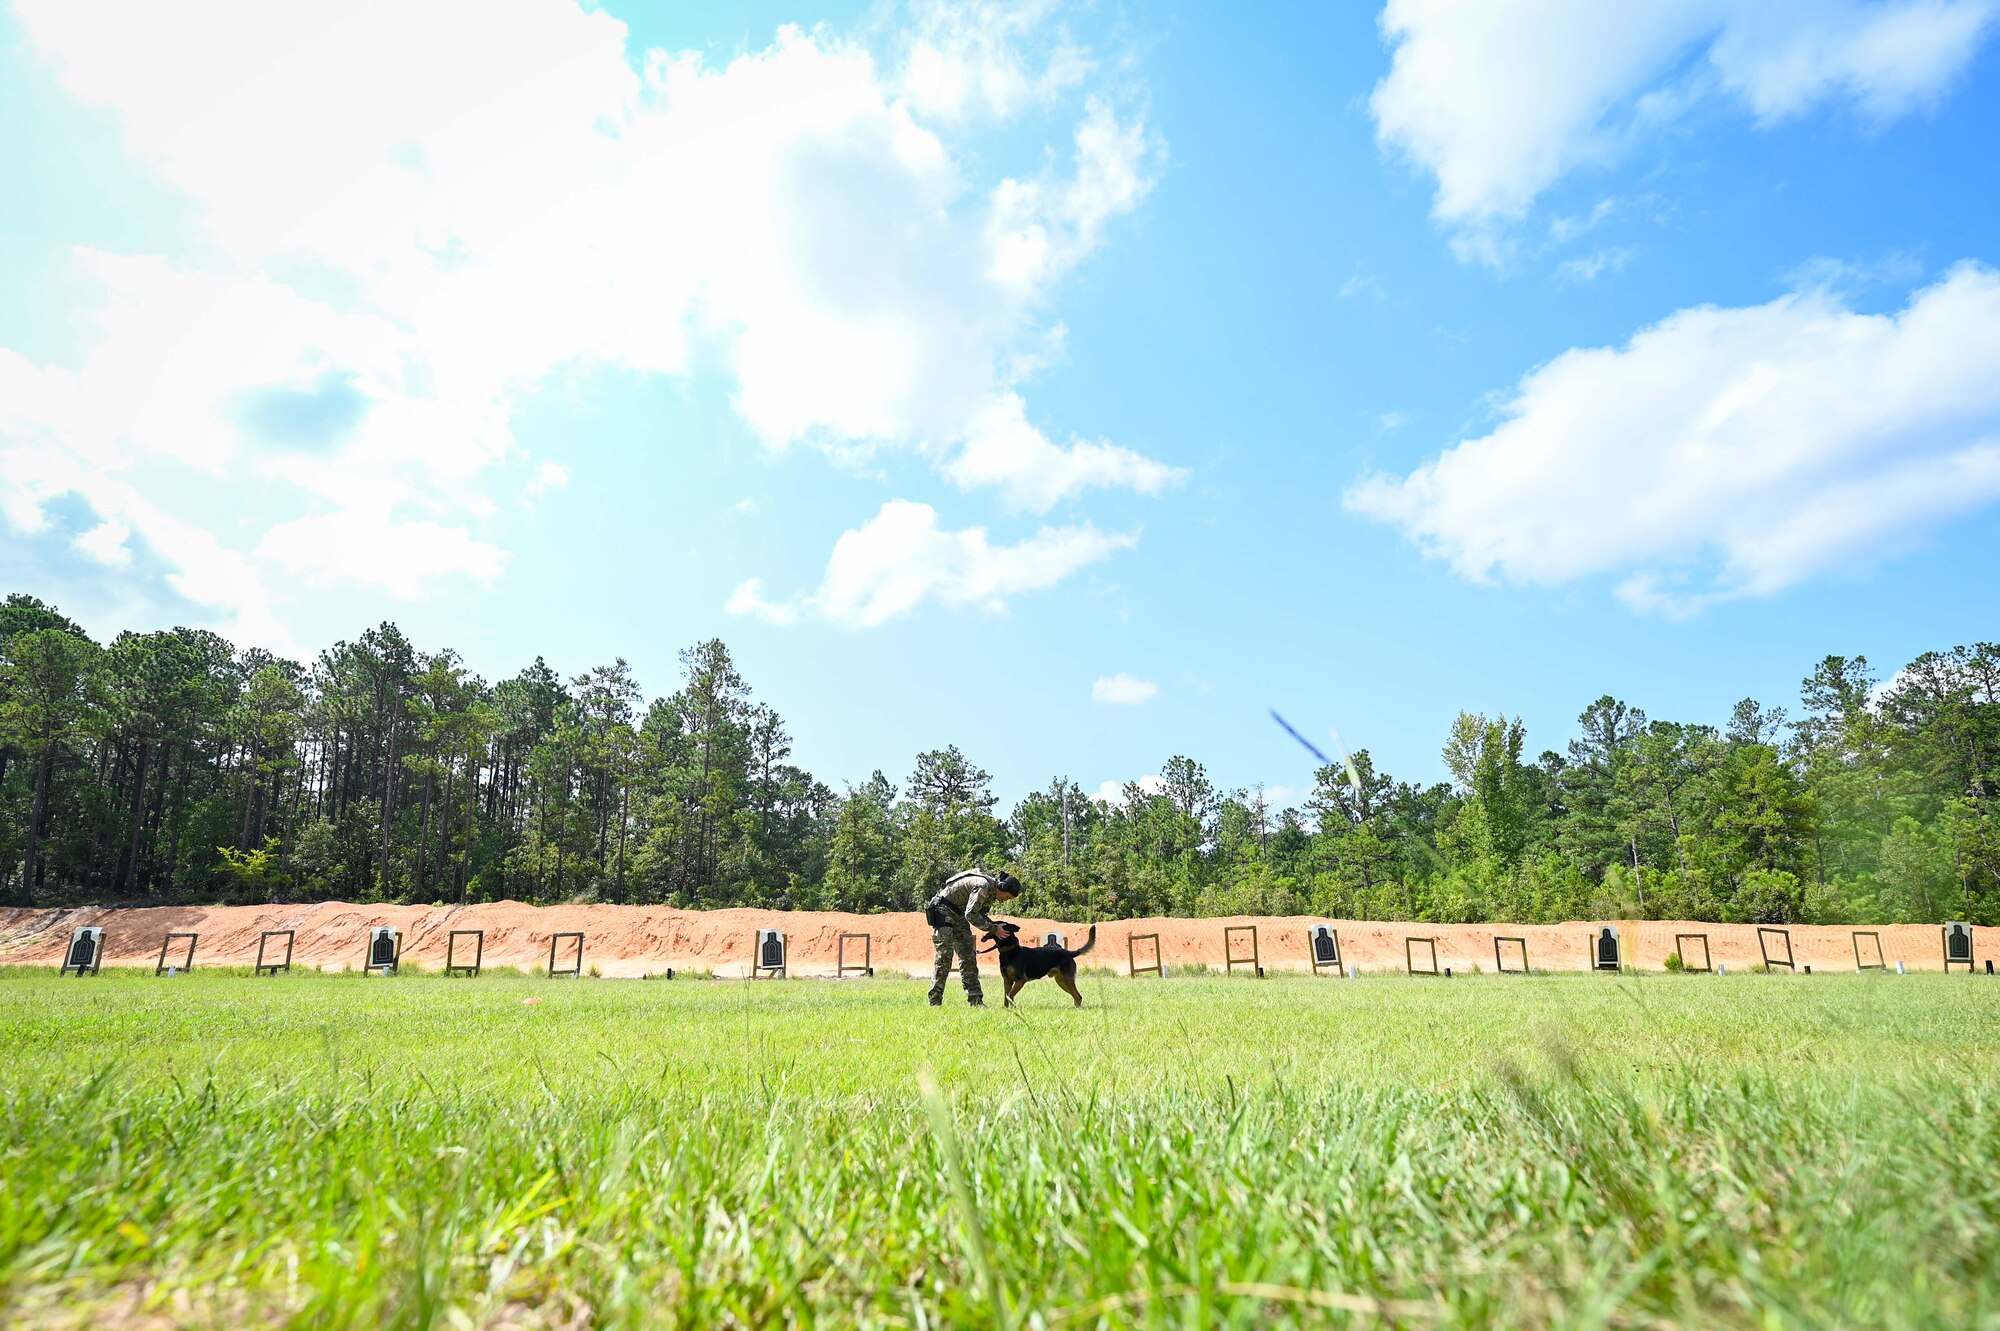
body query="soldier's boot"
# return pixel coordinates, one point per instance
(975, 998)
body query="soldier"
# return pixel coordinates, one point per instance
(952, 913)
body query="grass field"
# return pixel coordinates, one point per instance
(1576, 1151)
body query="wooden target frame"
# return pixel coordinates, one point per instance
(452, 965)
(840, 965)
(187, 962)
(1132, 966)
(577, 969)
(1764, 935)
(1500, 964)
(264, 967)
(1881, 963)
(1410, 956)
(1707, 966)
(1230, 961)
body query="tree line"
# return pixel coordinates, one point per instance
(175, 766)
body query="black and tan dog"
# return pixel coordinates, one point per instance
(1019, 965)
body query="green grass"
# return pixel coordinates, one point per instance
(340, 1151)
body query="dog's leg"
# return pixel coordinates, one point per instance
(1066, 977)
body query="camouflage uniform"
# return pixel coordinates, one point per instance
(966, 897)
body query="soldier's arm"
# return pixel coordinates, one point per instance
(976, 905)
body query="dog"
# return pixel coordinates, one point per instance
(1019, 965)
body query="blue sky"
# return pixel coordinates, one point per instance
(1070, 383)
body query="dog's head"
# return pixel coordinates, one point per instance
(1002, 936)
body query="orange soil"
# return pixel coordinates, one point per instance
(647, 940)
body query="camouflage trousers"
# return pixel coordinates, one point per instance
(955, 938)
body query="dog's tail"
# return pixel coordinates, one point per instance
(1088, 943)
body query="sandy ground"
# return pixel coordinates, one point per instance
(647, 940)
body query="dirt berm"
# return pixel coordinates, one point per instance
(647, 940)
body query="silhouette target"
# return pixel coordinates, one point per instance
(768, 958)
(86, 952)
(1323, 942)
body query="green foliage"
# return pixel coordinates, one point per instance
(387, 771)
(1569, 1150)
(252, 871)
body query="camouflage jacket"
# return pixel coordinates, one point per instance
(971, 895)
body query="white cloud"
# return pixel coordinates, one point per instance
(1591, 266)
(548, 477)
(1499, 100)
(1123, 690)
(402, 558)
(901, 558)
(1002, 449)
(1724, 452)
(748, 602)
(105, 544)
(1277, 797)
(988, 58)
(1117, 793)
(519, 192)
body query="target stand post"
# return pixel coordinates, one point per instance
(767, 956)
(1707, 966)
(575, 969)
(1323, 945)
(452, 965)
(187, 962)
(1765, 935)
(1132, 966)
(1957, 937)
(1410, 956)
(1861, 963)
(840, 965)
(1230, 961)
(385, 950)
(1500, 963)
(264, 967)
(86, 952)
